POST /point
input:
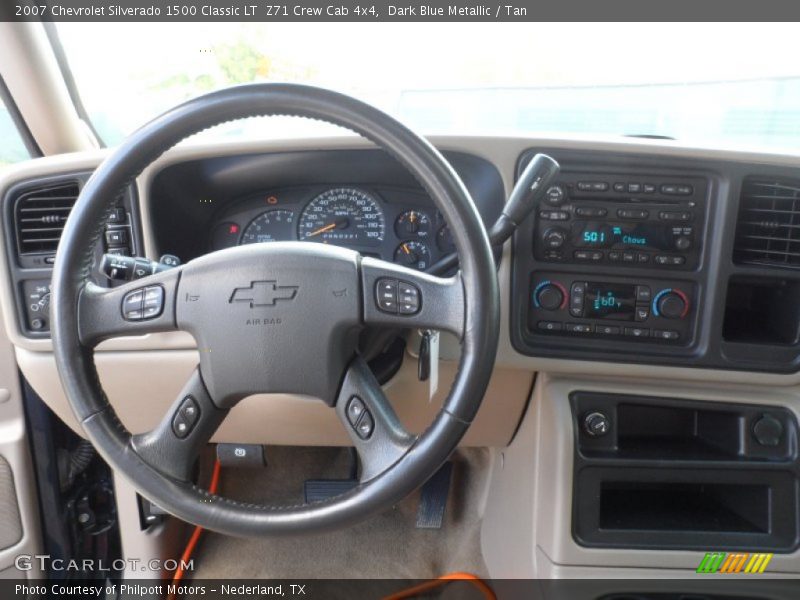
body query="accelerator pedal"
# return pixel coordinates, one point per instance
(433, 499)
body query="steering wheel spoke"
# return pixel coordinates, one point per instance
(377, 434)
(175, 443)
(142, 306)
(402, 297)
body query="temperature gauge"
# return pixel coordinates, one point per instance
(413, 254)
(412, 223)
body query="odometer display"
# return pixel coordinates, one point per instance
(343, 216)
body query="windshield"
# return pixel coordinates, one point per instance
(732, 85)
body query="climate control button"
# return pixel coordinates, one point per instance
(549, 296)
(671, 304)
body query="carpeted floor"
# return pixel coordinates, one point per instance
(386, 546)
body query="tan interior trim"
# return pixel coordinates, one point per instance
(34, 79)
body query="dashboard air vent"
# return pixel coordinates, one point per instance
(40, 214)
(768, 230)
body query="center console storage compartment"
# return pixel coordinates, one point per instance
(680, 474)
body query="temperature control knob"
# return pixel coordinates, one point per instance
(549, 296)
(671, 304)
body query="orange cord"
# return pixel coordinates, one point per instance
(190, 546)
(402, 595)
(411, 592)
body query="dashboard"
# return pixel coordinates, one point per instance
(394, 224)
(642, 253)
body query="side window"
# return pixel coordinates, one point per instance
(12, 148)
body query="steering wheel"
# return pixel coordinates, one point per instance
(278, 317)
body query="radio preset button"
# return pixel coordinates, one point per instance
(632, 213)
(634, 188)
(591, 211)
(619, 187)
(669, 260)
(675, 215)
(615, 256)
(643, 257)
(628, 257)
(648, 188)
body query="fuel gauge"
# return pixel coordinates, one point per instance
(413, 254)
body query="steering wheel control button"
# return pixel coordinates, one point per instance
(132, 305)
(186, 418)
(355, 408)
(408, 298)
(141, 268)
(116, 237)
(386, 295)
(365, 426)
(153, 302)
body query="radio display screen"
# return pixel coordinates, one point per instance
(610, 301)
(597, 234)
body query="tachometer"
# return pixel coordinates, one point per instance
(271, 226)
(344, 216)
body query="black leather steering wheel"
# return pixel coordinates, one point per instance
(279, 317)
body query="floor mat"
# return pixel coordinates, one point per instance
(385, 546)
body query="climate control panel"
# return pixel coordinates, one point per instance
(581, 305)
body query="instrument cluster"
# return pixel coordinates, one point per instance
(393, 224)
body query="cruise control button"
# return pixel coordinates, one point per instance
(365, 426)
(386, 295)
(355, 408)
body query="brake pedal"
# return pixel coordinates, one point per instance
(433, 499)
(317, 490)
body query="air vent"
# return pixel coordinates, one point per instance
(40, 214)
(768, 231)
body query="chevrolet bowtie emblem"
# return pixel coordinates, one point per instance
(264, 293)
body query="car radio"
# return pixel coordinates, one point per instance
(649, 222)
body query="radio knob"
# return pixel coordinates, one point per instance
(555, 195)
(550, 297)
(672, 305)
(683, 243)
(554, 238)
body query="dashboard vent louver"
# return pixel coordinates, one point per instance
(768, 230)
(40, 214)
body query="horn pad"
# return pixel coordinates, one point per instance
(281, 317)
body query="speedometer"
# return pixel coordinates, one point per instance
(345, 216)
